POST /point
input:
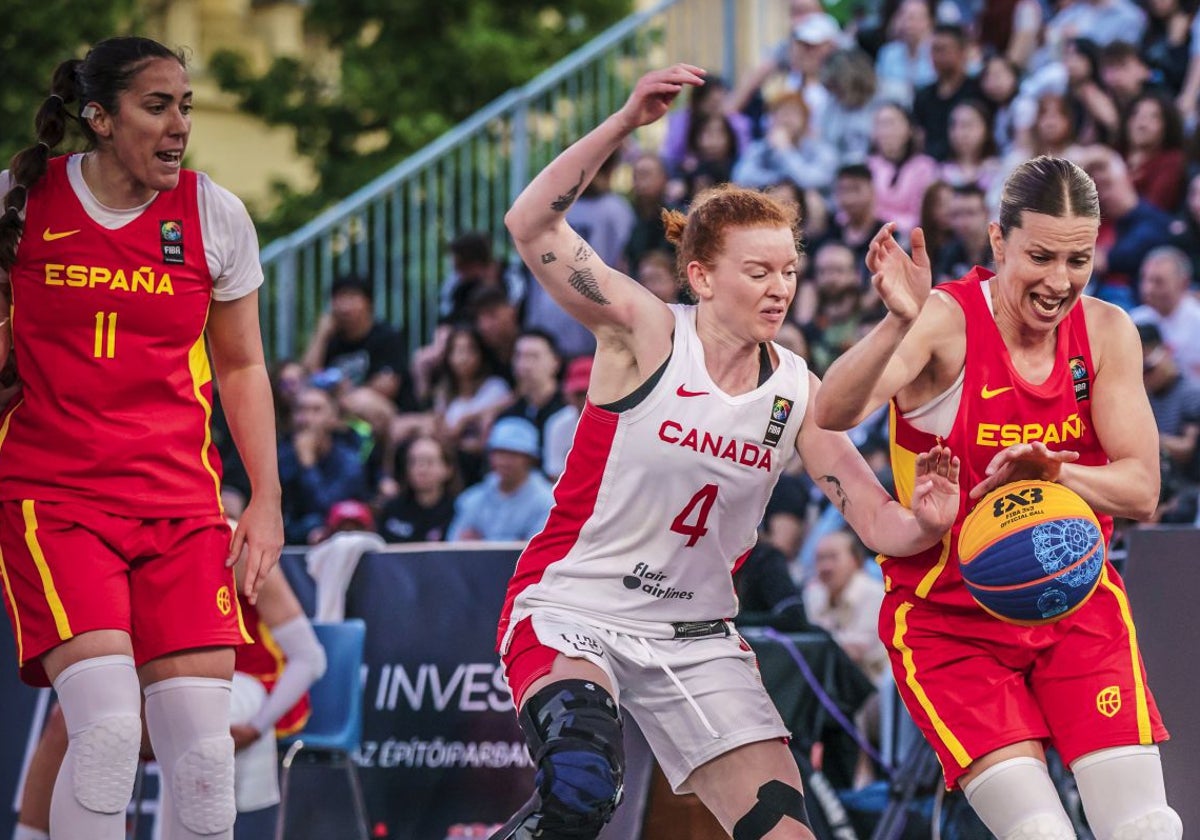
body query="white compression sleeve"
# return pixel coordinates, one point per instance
(1124, 795)
(305, 665)
(1016, 799)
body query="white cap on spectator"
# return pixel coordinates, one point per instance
(817, 28)
(515, 434)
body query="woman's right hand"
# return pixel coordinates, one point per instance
(655, 92)
(902, 282)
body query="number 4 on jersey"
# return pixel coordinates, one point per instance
(699, 506)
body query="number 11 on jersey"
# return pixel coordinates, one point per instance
(105, 346)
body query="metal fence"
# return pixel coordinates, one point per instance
(395, 230)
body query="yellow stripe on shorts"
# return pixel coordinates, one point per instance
(910, 678)
(1145, 733)
(39, 559)
(16, 615)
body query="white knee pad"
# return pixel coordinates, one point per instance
(100, 703)
(1124, 796)
(1017, 800)
(188, 719)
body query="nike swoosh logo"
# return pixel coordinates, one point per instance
(50, 237)
(684, 392)
(987, 393)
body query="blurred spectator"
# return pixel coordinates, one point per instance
(785, 521)
(656, 271)
(836, 325)
(933, 103)
(365, 359)
(348, 515)
(1151, 139)
(766, 593)
(1167, 40)
(970, 245)
(1129, 228)
(424, 507)
(513, 499)
(905, 61)
(1104, 21)
(709, 100)
(467, 395)
(935, 221)
(747, 96)
(1175, 401)
(1125, 73)
(317, 467)
(559, 433)
(1168, 303)
(1190, 95)
(604, 222)
(845, 127)
(1098, 110)
(998, 82)
(1052, 133)
(900, 173)
(844, 600)
(973, 157)
(1185, 229)
(1009, 29)
(648, 198)
(496, 320)
(788, 151)
(288, 379)
(536, 366)
(856, 218)
(710, 157)
(474, 266)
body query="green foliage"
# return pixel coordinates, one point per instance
(35, 37)
(410, 70)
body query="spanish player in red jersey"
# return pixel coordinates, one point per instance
(122, 272)
(1025, 377)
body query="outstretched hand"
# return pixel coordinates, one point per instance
(1023, 461)
(935, 492)
(902, 282)
(655, 92)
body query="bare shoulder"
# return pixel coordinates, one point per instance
(625, 358)
(942, 330)
(1110, 329)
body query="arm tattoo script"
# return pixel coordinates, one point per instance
(583, 281)
(560, 204)
(842, 499)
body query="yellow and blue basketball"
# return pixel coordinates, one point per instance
(1031, 552)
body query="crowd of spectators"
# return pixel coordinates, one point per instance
(914, 114)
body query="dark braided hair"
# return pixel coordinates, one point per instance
(106, 71)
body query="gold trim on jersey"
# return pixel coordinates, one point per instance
(39, 559)
(16, 615)
(1145, 732)
(904, 474)
(201, 373)
(910, 679)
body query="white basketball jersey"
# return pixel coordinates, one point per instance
(658, 504)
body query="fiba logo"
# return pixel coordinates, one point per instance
(171, 230)
(1108, 701)
(1011, 501)
(224, 600)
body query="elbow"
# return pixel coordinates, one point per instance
(317, 666)
(828, 416)
(517, 224)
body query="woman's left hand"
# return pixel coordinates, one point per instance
(935, 497)
(259, 538)
(1023, 461)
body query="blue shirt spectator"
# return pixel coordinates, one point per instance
(513, 500)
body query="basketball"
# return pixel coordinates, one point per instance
(1031, 552)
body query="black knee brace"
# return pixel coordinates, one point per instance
(776, 800)
(573, 728)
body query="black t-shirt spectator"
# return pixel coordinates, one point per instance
(766, 592)
(404, 519)
(382, 350)
(932, 113)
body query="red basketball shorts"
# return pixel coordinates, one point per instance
(67, 569)
(974, 683)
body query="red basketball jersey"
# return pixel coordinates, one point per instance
(108, 330)
(263, 660)
(997, 408)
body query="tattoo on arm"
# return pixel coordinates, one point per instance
(560, 204)
(840, 494)
(583, 251)
(583, 281)
(548, 258)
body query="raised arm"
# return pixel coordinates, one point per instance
(883, 524)
(599, 297)
(897, 350)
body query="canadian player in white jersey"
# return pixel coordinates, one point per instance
(622, 601)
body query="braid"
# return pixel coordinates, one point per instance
(29, 165)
